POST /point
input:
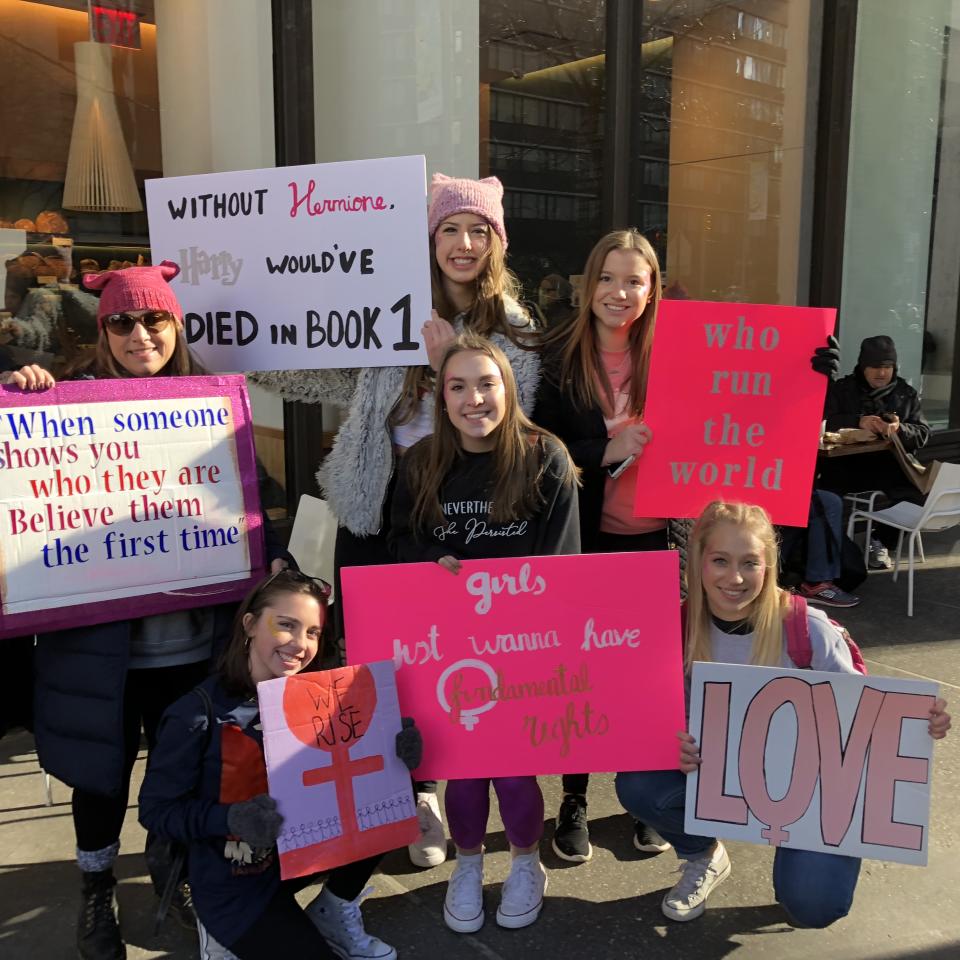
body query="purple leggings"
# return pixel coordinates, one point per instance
(521, 809)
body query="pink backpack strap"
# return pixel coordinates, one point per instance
(798, 633)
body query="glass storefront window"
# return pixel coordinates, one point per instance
(723, 151)
(901, 258)
(542, 79)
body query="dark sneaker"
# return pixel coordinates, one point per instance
(98, 933)
(829, 594)
(571, 839)
(647, 840)
(879, 558)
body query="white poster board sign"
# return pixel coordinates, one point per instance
(289, 268)
(837, 763)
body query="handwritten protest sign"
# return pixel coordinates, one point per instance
(329, 740)
(529, 666)
(838, 763)
(125, 498)
(289, 268)
(734, 407)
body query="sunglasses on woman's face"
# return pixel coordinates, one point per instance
(153, 320)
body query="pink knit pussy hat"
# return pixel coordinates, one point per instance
(136, 288)
(450, 196)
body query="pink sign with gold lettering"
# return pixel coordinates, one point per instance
(831, 762)
(734, 407)
(537, 665)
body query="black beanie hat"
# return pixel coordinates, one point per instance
(876, 351)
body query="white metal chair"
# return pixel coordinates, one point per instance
(940, 511)
(863, 502)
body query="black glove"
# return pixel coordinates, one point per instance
(255, 821)
(826, 360)
(409, 744)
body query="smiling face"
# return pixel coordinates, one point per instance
(285, 637)
(140, 352)
(878, 376)
(462, 245)
(475, 398)
(622, 291)
(733, 570)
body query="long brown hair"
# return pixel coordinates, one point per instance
(580, 363)
(765, 614)
(233, 667)
(103, 365)
(486, 315)
(519, 454)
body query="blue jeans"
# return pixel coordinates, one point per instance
(824, 532)
(816, 889)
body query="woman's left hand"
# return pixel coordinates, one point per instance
(450, 563)
(826, 360)
(939, 719)
(277, 565)
(438, 334)
(689, 752)
(32, 377)
(409, 743)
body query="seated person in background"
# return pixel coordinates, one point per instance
(874, 398)
(821, 560)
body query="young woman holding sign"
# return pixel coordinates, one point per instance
(97, 686)
(592, 395)
(206, 786)
(736, 613)
(390, 408)
(515, 484)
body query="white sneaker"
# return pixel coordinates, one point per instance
(431, 849)
(688, 898)
(210, 949)
(341, 924)
(463, 904)
(523, 890)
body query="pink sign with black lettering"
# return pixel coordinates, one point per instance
(734, 407)
(535, 665)
(831, 762)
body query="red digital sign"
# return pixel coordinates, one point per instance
(120, 28)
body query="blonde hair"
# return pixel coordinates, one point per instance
(580, 362)
(765, 615)
(486, 315)
(519, 453)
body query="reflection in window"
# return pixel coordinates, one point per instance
(542, 63)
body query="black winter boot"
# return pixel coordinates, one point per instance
(98, 933)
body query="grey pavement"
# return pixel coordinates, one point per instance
(608, 908)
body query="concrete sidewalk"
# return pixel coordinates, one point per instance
(608, 908)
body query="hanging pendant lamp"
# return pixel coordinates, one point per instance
(99, 173)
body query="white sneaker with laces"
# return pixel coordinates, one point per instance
(431, 849)
(688, 897)
(879, 558)
(523, 890)
(341, 924)
(463, 904)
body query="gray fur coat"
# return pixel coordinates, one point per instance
(355, 476)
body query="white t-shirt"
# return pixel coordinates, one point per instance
(829, 649)
(420, 425)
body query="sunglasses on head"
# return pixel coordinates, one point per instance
(153, 320)
(295, 576)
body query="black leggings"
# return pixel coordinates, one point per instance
(98, 819)
(284, 922)
(615, 543)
